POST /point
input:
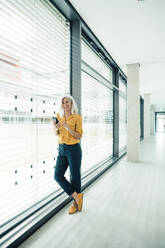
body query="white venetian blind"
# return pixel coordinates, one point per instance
(34, 72)
(97, 109)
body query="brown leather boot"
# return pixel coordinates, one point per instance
(73, 208)
(80, 201)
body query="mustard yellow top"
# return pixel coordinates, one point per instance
(74, 121)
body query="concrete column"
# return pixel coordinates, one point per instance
(152, 120)
(133, 113)
(146, 116)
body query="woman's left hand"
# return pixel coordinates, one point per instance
(65, 125)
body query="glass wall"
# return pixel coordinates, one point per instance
(34, 72)
(97, 109)
(122, 115)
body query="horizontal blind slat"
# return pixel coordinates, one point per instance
(34, 68)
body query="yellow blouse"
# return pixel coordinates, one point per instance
(74, 121)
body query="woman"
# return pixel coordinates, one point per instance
(69, 131)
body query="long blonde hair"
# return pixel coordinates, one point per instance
(74, 108)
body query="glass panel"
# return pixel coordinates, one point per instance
(122, 115)
(122, 123)
(122, 87)
(34, 72)
(92, 59)
(97, 112)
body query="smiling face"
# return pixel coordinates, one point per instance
(66, 104)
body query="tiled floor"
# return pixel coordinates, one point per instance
(125, 208)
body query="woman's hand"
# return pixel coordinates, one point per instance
(57, 125)
(61, 124)
(65, 125)
(73, 133)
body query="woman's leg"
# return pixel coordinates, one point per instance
(60, 169)
(74, 159)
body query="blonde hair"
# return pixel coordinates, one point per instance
(74, 108)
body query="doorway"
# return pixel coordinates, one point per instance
(160, 122)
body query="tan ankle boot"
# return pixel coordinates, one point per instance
(73, 208)
(80, 201)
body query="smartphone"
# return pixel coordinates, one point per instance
(55, 119)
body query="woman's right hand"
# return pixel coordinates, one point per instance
(57, 125)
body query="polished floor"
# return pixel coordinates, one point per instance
(124, 208)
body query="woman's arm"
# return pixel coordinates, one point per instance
(73, 133)
(56, 126)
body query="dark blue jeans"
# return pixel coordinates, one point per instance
(69, 155)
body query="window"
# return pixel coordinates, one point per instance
(34, 72)
(97, 110)
(122, 116)
(93, 59)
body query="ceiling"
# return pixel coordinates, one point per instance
(132, 31)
